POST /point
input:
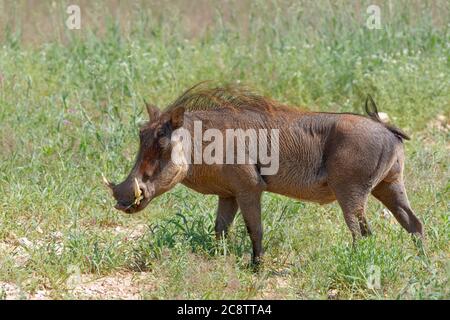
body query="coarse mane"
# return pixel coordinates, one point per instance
(203, 96)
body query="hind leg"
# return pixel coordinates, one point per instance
(393, 196)
(353, 202)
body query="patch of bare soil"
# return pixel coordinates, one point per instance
(440, 123)
(131, 233)
(128, 286)
(11, 291)
(19, 254)
(19, 248)
(276, 287)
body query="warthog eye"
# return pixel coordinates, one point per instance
(164, 142)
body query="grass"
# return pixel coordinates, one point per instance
(70, 102)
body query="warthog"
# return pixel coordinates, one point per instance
(322, 157)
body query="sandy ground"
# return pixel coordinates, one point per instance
(116, 286)
(119, 285)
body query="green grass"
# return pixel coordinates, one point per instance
(69, 110)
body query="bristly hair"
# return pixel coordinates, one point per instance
(205, 96)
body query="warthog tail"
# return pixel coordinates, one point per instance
(372, 111)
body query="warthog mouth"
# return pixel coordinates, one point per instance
(142, 197)
(133, 207)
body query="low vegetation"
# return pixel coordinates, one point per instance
(71, 101)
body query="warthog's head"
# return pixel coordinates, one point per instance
(155, 170)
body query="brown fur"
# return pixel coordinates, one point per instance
(323, 157)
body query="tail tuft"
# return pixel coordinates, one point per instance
(372, 111)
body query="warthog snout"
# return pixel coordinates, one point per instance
(131, 195)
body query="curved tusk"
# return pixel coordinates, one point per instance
(106, 181)
(137, 190)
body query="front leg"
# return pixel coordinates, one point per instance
(225, 215)
(250, 205)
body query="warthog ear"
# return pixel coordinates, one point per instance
(152, 110)
(177, 117)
